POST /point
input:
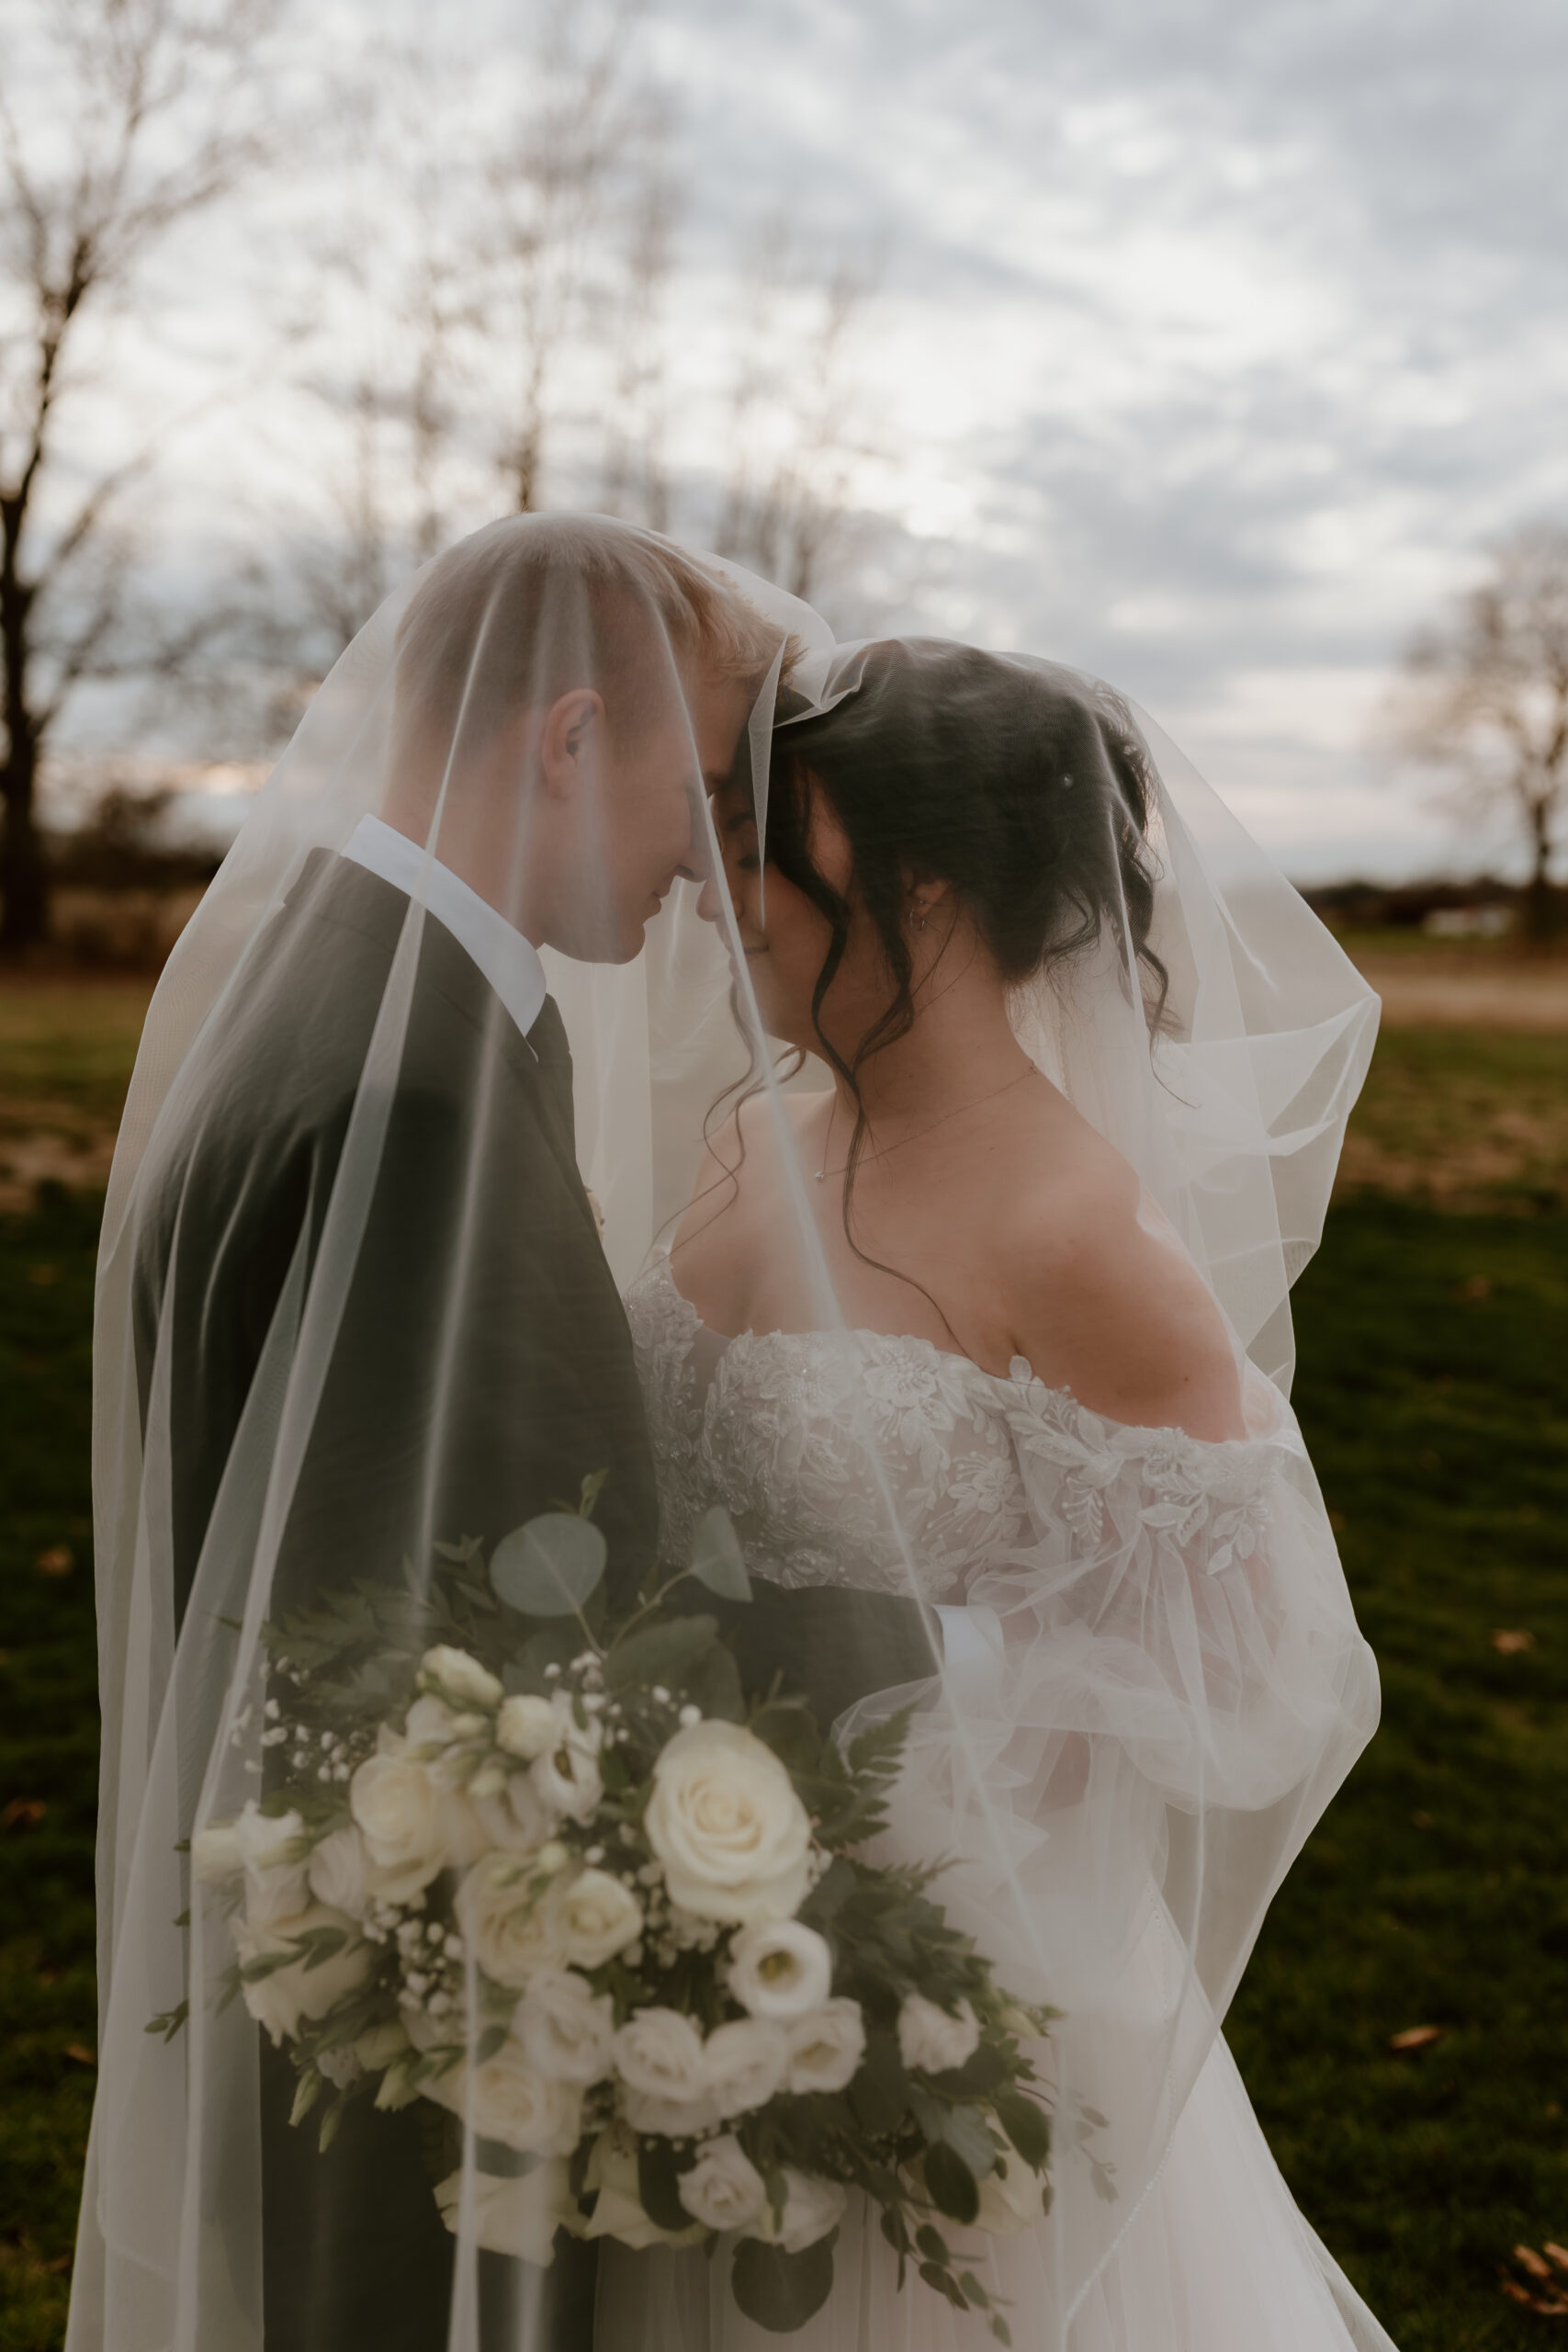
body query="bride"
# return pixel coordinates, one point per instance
(987, 1362)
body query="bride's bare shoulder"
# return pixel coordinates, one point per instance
(1104, 1300)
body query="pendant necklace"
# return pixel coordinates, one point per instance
(822, 1173)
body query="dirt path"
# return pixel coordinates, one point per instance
(1420, 995)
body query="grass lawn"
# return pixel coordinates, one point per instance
(1434, 1389)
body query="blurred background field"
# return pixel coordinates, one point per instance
(1433, 1387)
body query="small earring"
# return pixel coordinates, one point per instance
(917, 919)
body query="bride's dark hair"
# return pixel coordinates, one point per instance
(1023, 788)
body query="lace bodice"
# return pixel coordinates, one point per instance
(794, 1433)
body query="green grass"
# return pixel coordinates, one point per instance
(1464, 1118)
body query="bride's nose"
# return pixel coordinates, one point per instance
(711, 898)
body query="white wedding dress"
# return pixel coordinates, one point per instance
(1215, 2257)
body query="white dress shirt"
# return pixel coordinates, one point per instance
(509, 962)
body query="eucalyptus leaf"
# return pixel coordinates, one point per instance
(549, 1566)
(952, 2185)
(717, 1560)
(1026, 2123)
(782, 2291)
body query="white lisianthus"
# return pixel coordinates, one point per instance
(566, 2028)
(1010, 2204)
(725, 1822)
(516, 2217)
(428, 1733)
(458, 1678)
(932, 2041)
(723, 2189)
(279, 2000)
(599, 1917)
(812, 2208)
(526, 1726)
(747, 2061)
(618, 2209)
(511, 1923)
(508, 2099)
(513, 1817)
(398, 1808)
(215, 1854)
(825, 2047)
(379, 2045)
(337, 1871)
(660, 2051)
(780, 1968)
(566, 1773)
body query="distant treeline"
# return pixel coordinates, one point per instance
(1406, 906)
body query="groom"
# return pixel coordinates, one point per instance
(565, 689)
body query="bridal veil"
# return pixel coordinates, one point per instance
(351, 1310)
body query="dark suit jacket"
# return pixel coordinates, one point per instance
(480, 1369)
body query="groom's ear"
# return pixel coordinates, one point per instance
(569, 740)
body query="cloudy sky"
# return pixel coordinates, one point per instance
(1215, 338)
(1217, 334)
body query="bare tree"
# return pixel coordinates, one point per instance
(796, 429)
(1487, 699)
(120, 120)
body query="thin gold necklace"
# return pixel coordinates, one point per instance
(824, 1171)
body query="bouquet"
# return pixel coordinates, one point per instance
(551, 1874)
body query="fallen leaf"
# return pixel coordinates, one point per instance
(1421, 1820)
(1417, 2037)
(1511, 1644)
(1475, 1286)
(57, 1561)
(22, 1812)
(79, 2052)
(1527, 2259)
(1558, 2254)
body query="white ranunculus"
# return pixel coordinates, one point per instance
(526, 1726)
(516, 2217)
(337, 1871)
(723, 2189)
(618, 2209)
(215, 1854)
(272, 1860)
(812, 2208)
(458, 1678)
(780, 1968)
(279, 2000)
(825, 2047)
(398, 1808)
(513, 1925)
(566, 2028)
(508, 2099)
(725, 1822)
(1015, 2203)
(747, 2061)
(930, 2040)
(599, 1917)
(660, 2051)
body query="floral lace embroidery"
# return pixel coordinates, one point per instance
(805, 1437)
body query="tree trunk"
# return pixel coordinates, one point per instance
(24, 892)
(1539, 909)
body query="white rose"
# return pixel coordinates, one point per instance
(745, 2064)
(825, 2047)
(508, 2099)
(514, 1818)
(526, 1726)
(398, 1808)
(723, 2189)
(567, 2029)
(618, 2212)
(459, 1678)
(599, 1917)
(669, 2118)
(660, 2051)
(566, 1773)
(428, 1734)
(725, 1822)
(511, 1923)
(812, 2208)
(215, 1854)
(780, 1968)
(337, 1871)
(1015, 2203)
(272, 1861)
(930, 2040)
(280, 2001)
(516, 2217)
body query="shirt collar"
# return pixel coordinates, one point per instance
(508, 961)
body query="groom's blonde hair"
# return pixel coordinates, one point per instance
(526, 609)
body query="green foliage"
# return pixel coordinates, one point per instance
(780, 2291)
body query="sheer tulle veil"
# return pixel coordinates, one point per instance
(1199, 1658)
